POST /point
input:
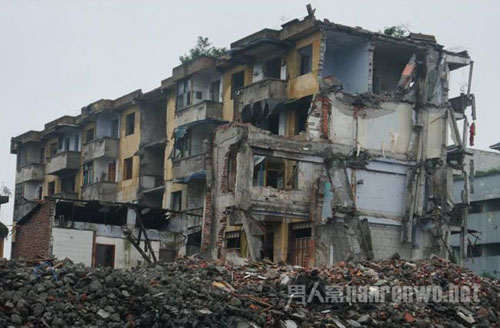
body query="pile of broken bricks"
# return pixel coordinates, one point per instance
(197, 293)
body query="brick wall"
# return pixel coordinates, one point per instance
(386, 240)
(33, 237)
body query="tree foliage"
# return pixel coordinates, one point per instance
(397, 31)
(203, 48)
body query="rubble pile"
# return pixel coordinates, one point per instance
(197, 293)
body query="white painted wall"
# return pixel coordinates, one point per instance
(77, 245)
(388, 129)
(126, 256)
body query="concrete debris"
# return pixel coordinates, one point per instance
(199, 293)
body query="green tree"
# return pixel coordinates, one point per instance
(203, 48)
(397, 31)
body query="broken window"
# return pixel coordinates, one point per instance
(51, 188)
(268, 247)
(233, 240)
(389, 62)
(183, 94)
(475, 251)
(301, 112)
(112, 171)
(128, 164)
(88, 173)
(231, 170)
(305, 59)
(114, 128)
(237, 81)
(182, 143)
(104, 255)
(275, 172)
(293, 178)
(199, 95)
(177, 201)
(130, 124)
(53, 148)
(89, 135)
(273, 123)
(272, 68)
(215, 91)
(193, 243)
(77, 142)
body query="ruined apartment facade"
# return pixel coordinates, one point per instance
(307, 144)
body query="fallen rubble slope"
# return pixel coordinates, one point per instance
(198, 293)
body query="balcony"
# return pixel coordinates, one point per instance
(103, 190)
(63, 163)
(206, 110)
(103, 147)
(30, 172)
(280, 202)
(261, 90)
(185, 167)
(66, 195)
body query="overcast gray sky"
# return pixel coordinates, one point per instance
(58, 56)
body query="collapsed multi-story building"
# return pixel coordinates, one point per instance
(307, 145)
(482, 251)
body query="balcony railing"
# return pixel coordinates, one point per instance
(102, 147)
(103, 190)
(261, 90)
(31, 172)
(201, 111)
(184, 167)
(63, 163)
(66, 195)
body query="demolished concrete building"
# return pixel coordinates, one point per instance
(308, 145)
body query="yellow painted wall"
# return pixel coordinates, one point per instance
(50, 178)
(307, 84)
(129, 145)
(170, 187)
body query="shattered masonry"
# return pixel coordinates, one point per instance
(308, 145)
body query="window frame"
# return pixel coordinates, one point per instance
(130, 124)
(94, 257)
(233, 80)
(89, 135)
(128, 168)
(302, 52)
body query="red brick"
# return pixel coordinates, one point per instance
(33, 237)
